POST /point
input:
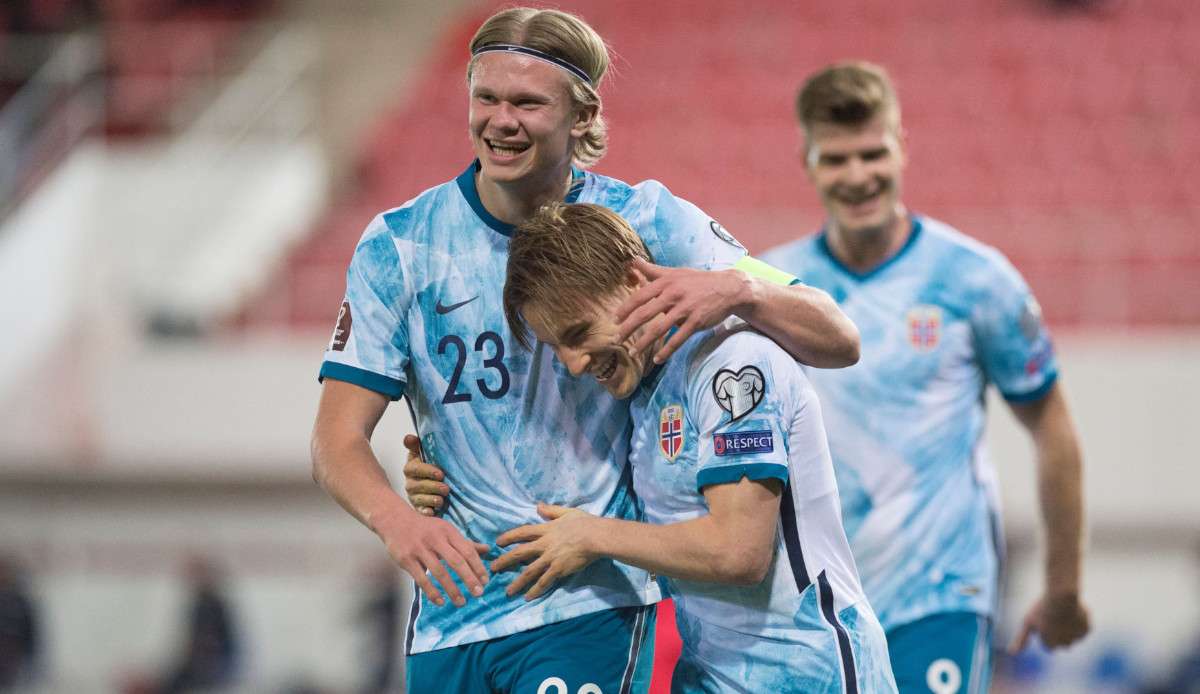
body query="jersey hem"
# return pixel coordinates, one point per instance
(648, 596)
(890, 623)
(370, 380)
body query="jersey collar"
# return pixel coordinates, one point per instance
(823, 244)
(466, 184)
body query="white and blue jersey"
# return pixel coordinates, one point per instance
(939, 321)
(732, 404)
(423, 319)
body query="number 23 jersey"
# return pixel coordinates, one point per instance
(423, 318)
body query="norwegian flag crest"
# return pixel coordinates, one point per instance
(670, 431)
(924, 327)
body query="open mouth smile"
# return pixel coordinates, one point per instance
(605, 369)
(860, 198)
(505, 149)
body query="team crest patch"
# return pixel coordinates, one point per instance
(720, 232)
(924, 327)
(739, 392)
(341, 332)
(670, 431)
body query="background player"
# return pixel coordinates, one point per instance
(422, 319)
(723, 431)
(941, 316)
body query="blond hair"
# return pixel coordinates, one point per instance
(848, 94)
(566, 37)
(565, 257)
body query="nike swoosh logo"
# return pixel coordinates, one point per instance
(443, 310)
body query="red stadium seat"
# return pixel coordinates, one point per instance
(1062, 137)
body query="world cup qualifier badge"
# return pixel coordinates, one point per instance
(738, 392)
(341, 332)
(670, 431)
(924, 327)
(721, 233)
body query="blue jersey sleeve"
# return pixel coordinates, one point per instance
(738, 412)
(683, 235)
(369, 346)
(1014, 346)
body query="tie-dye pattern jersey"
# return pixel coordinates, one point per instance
(423, 319)
(939, 321)
(732, 404)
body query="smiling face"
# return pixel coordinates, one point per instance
(586, 343)
(857, 173)
(523, 123)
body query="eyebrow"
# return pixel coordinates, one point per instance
(540, 97)
(573, 334)
(868, 153)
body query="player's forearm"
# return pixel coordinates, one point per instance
(803, 320)
(695, 550)
(347, 469)
(1060, 488)
(1060, 492)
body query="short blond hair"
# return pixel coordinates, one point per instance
(848, 94)
(565, 257)
(566, 37)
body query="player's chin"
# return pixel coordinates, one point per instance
(863, 223)
(500, 172)
(621, 387)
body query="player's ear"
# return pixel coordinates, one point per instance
(804, 152)
(585, 115)
(634, 277)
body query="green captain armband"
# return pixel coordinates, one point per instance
(757, 268)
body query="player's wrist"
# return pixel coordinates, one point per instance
(596, 533)
(1063, 595)
(389, 514)
(1062, 578)
(747, 295)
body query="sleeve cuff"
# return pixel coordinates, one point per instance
(370, 380)
(1035, 394)
(733, 473)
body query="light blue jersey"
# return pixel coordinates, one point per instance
(423, 319)
(939, 321)
(733, 404)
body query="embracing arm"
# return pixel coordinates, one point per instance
(346, 467)
(804, 320)
(733, 544)
(1059, 616)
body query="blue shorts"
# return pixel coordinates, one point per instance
(607, 652)
(947, 653)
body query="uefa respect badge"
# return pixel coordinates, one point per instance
(743, 442)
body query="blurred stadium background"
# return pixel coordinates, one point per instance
(182, 183)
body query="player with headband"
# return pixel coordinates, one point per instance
(422, 319)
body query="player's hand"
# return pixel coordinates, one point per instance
(1059, 621)
(431, 549)
(552, 550)
(423, 481)
(682, 298)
